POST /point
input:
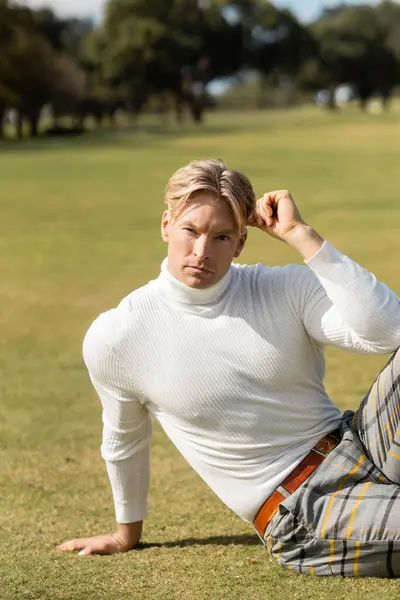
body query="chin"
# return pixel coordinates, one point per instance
(198, 283)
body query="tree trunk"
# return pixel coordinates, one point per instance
(364, 93)
(80, 117)
(33, 119)
(19, 125)
(178, 109)
(197, 110)
(55, 119)
(112, 117)
(163, 110)
(386, 101)
(332, 99)
(98, 120)
(2, 116)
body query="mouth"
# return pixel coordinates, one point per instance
(196, 269)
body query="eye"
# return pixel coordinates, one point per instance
(190, 229)
(223, 238)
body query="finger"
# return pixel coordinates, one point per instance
(266, 207)
(86, 552)
(265, 210)
(277, 194)
(254, 219)
(97, 548)
(260, 207)
(269, 199)
(251, 218)
(268, 213)
(72, 545)
(66, 546)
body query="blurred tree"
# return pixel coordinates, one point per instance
(114, 62)
(273, 38)
(32, 76)
(73, 38)
(65, 35)
(69, 88)
(171, 50)
(173, 47)
(72, 93)
(49, 26)
(274, 43)
(6, 94)
(357, 47)
(40, 64)
(25, 65)
(389, 21)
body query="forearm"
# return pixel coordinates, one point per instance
(304, 240)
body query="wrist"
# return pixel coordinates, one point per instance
(304, 240)
(129, 534)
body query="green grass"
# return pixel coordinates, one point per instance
(79, 230)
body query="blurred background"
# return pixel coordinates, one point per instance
(70, 65)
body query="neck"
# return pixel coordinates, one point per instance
(176, 290)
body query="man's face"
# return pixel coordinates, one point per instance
(202, 241)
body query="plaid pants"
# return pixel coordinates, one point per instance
(345, 518)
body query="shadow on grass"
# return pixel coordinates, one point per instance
(140, 136)
(223, 540)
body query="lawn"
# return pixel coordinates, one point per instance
(79, 230)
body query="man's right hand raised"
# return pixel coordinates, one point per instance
(123, 540)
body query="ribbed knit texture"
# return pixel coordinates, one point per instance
(234, 374)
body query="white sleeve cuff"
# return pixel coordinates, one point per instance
(127, 513)
(324, 255)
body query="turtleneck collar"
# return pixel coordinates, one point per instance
(175, 290)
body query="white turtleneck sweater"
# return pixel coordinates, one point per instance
(233, 373)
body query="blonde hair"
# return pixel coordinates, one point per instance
(214, 178)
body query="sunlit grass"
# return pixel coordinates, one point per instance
(79, 230)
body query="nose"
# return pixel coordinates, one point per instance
(202, 247)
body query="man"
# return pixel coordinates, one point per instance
(229, 360)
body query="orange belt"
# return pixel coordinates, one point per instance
(303, 470)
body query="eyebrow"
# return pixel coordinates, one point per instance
(222, 232)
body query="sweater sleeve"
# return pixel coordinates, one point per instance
(346, 306)
(126, 427)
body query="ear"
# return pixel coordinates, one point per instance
(241, 243)
(164, 226)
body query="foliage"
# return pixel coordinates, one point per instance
(149, 47)
(27, 66)
(147, 51)
(358, 46)
(40, 64)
